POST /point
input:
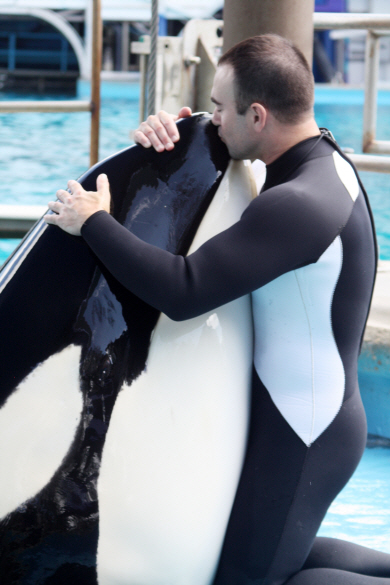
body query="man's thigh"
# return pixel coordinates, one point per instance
(285, 490)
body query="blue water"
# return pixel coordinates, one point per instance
(345, 120)
(361, 512)
(40, 152)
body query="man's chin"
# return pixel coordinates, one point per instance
(233, 155)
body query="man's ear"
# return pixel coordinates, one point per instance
(259, 116)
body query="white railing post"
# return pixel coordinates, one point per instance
(370, 89)
(378, 26)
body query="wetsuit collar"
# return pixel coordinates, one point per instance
(282, 168)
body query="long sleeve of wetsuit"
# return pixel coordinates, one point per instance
(281, 230)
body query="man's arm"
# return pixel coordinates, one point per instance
(272, 237)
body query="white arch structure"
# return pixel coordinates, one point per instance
(60, 24)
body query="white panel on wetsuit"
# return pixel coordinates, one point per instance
(296, 356)
(347, 175)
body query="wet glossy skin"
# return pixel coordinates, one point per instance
(60, 296)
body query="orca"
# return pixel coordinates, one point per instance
(122, 432)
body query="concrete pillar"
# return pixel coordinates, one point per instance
(292, 19)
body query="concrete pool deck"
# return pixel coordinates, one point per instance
(374, 361)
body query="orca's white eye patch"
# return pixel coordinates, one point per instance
(37, 426)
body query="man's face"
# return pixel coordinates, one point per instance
(234, 129)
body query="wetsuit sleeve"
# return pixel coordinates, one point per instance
(278, 232)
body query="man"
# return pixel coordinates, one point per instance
(305, 249)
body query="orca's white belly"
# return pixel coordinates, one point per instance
(176, 442)
(37, 425)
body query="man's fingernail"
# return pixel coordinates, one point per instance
(169, 145)
(175, 137)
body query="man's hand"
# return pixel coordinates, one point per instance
(160, 131)
(74, 208)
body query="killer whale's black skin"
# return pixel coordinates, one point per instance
(61, 295)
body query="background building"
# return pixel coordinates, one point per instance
(49, 55)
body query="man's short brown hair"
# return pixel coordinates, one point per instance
(270, 70)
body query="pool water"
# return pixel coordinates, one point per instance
(346, 124)
(361, 512)
(40, 152)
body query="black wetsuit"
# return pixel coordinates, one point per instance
(305, 248)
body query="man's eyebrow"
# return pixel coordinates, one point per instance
(215, 101)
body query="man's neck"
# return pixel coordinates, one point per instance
(281, 137)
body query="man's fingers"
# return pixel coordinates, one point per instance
(55, 206)
(160, 130)
(102, 183)
(147, 134)
(185, 112)
(74, 186)
(103, 187)
(140, 138)
(169, 124)
(156, 131)
(63, 196)
(51, 218)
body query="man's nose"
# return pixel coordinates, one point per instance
(215, 119)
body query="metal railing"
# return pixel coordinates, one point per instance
(377, 25)
(92, 105)
(16, 220)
